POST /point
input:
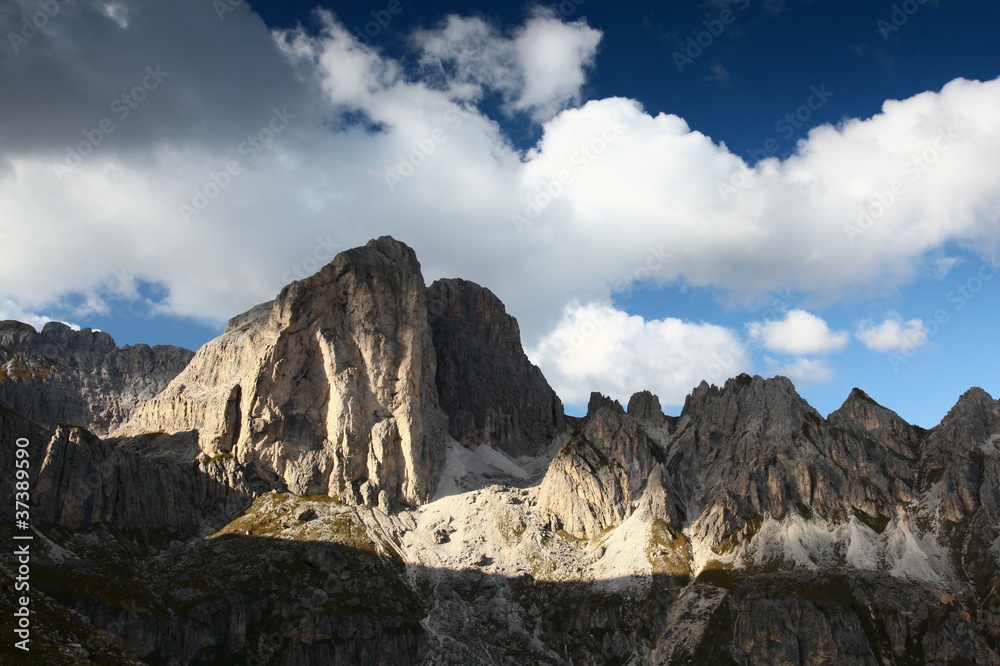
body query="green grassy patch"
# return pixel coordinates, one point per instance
(744, 534)
(667, 550)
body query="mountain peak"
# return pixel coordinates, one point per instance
(645, 405)
(863, 414)
(860, 402)
(973, 417)
(348, 383)
(80, 377)
(751, 394)
(394, 249)
(330, 389)
(489, 389)
(975, 395)
(858, 394)
(599, 401)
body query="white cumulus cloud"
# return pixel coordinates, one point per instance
(799, 333)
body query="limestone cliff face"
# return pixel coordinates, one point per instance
(153, 483)
(960, 477)
(329, 388)
(489, 389)
(960, 459)
(796, 522)
(599, 401)
(82, 377)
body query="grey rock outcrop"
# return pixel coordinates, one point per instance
(77, 480)
(750, 465)
(14, 427)
(821, 618)
(489, 389)
(329, 389)
(960, 458)
(779, 455)
(597, 478)
(860, 413)
(599, 401)
(84, 481)
(81, 377)
(960, 479)
(644, 405)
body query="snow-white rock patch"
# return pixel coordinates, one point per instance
(796, 541)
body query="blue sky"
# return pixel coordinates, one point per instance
(659, 194)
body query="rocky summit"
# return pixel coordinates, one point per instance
(369, 470)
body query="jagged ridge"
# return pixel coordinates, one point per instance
(749, 529)
(81, 378)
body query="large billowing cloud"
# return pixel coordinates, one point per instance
(217, 159)
(596, 347)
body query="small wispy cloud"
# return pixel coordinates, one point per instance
(893, 334)
(799, 333)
